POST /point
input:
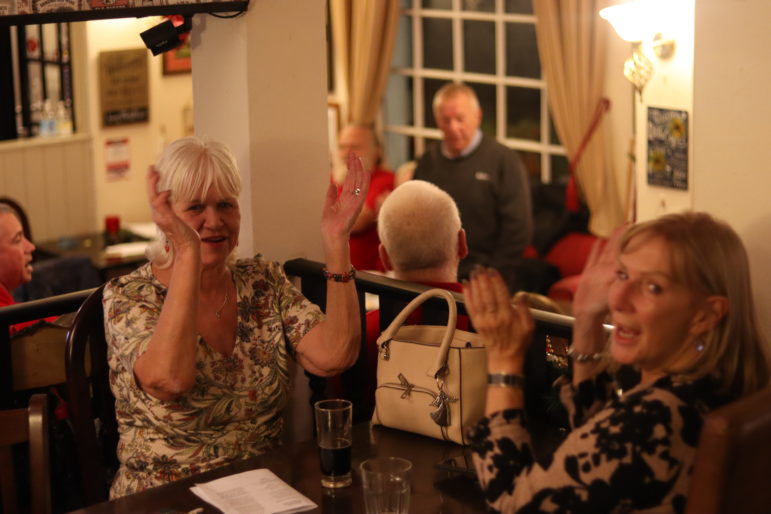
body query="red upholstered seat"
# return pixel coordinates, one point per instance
(569, 254)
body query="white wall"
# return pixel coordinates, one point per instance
(670, 87)
(260, 87)
(732, 127)
(168, 97)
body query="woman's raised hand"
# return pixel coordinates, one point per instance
(505, 327)
(340, 211)
(591, 297)
(176, 230)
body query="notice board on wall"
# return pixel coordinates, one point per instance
(668, 148)
(124, 90)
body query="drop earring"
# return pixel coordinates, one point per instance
(699, 346)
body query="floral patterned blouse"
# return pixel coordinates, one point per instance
(234, 408)
(627, 453)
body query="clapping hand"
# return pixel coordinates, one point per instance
(340, 211)
(505, 327)
(179, 233)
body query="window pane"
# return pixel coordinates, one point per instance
(554, 138)
(430, 87)
(519, 6)
(398, 149)
(437, 4)
(50, 42)
(437, 43)
(560, 171)
(397, 106)
(33, 41)
(53, 80)
(522, 51)
(523, 113)
(487, 101)
(479, 46)
(402, 57)
(64, 32)
(479, 5)
(532, 162)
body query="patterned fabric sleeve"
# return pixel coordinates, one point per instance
(298, 315)
(131, 311)
(585, 400)
(631, 455)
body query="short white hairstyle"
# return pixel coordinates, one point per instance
(418, 226)
(189, 167)
(451, 90)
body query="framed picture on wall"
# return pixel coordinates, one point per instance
(668, 148)
(178, 60)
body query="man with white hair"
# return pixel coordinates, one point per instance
(421, 238)
(485, 178)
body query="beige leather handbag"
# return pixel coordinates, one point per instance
(431, 380)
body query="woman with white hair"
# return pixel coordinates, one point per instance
(679, 296)
(199, 343)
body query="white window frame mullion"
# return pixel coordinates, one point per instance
(417, 64)
(500, 71)
(457, 40)
(545, 156)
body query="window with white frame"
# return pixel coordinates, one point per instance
(489, 45)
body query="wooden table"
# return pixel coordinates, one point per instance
(433, 490)
(93, 246)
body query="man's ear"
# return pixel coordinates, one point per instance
(462, 245)
(714, 309)
(384, 258)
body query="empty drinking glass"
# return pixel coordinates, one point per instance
(386, 485)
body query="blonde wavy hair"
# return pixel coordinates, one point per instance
(190, 167)
(708, 257)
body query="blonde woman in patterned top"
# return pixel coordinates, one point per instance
(199, 343)
(678, 293)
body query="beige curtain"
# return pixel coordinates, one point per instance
(571, 44)
(363, 32)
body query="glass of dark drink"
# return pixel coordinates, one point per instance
(333, 431)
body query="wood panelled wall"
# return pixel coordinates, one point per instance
(53, 179)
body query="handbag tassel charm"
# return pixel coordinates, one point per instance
(441, 415)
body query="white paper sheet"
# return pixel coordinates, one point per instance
(258, 491)
(146, 229)
(134, 249)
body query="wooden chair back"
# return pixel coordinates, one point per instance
(733, 461)
(19, 426)
(91, 399)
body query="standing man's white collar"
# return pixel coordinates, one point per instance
(470, 148)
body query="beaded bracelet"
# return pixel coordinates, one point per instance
(584, 357)
(340, 277)
(506, 379)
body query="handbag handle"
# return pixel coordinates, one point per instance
(452, 318)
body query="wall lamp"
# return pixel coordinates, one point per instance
(641, 21)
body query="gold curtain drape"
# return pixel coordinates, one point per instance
(571, 45)
(363, 32)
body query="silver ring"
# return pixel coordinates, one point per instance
(357, 191)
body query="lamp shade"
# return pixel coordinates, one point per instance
(637, 20)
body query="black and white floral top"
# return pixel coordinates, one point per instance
(234, 409)
(626, 453)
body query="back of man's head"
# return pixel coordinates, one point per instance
(419, 227)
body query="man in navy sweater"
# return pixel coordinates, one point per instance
(487, 181)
